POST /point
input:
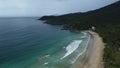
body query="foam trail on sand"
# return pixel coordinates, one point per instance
(72, 47)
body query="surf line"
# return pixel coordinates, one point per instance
(72, 47)
(84, 49)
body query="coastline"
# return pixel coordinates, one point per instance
(93, 56)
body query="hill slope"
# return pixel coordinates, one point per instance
(107, 23)
(110, 13)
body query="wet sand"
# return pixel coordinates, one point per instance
(93, 56)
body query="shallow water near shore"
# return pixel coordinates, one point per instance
(29, 43)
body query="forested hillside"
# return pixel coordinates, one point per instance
(107, 23)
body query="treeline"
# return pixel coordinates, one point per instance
(107, 23)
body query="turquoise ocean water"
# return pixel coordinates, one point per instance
(29, 43)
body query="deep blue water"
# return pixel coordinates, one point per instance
(24, 40)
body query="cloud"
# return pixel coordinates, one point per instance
(48, 7)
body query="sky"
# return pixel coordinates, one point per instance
(48, 7)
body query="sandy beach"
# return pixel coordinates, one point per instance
(92, 58)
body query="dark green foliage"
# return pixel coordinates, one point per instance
(107, 23)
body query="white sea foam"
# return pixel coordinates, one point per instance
(83, 50)
(45, 63)
(85, 35)
(47, 55)
(72, 47)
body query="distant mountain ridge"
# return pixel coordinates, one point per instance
(108, 14)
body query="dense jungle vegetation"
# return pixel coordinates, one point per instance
(106, 20)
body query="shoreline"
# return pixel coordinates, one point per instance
(93, 56)
(84, 48)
